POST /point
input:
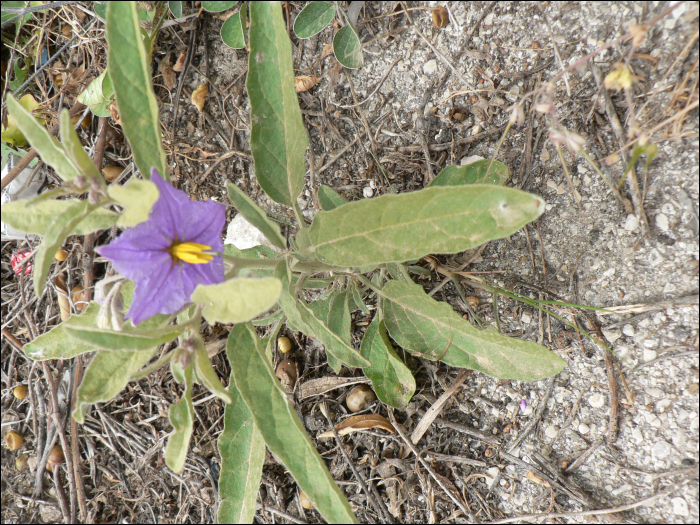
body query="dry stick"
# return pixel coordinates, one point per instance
(544, 271)
(430, 415)
(183, 74)
(56, 414)
(61, 495)
(380, 508)
(426, 466)
(31, 155)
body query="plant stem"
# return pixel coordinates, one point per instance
(368, 283)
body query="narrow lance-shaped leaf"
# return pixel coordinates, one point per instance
(237, 300)
(392, 380)
(288, 301)
(130, 71)
(181, 415)
(340, 322)
(256, 216)
(242, 451)
(74, 149)
(46, 145)
(322, 308)
(135, 340)
(276, 418)
(206, 374)
(278, 138)
(419, 323)
(107, 375)
(411, 225)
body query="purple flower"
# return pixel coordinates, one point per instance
(168, 255)
(523, 405)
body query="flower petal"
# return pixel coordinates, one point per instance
(160, 294)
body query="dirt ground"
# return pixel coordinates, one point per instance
(611, 438)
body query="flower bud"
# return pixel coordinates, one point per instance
(517, 115)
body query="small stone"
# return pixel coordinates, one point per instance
(244, 235)
(680, 507)
(367, 192)
(596, 400)
(637, 435)
(631, 223)
(662, 222)
(661, 450)
(649, 355)
(526, 317)
(545, 155)
(609, 272)
(694, 388)
(552, 431)
(470, 160)
(628, 330)
(430, 67)
(491, 476)
(584, 429)
(612, 334)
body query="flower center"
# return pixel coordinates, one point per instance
(191, 252)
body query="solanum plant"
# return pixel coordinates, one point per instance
(173, 272)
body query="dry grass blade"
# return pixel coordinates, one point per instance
(357, 423)
(433, 412)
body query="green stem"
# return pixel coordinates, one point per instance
(368, 283)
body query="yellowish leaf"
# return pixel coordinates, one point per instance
(199, 95)
(305, 82)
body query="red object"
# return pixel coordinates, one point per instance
(17, 259)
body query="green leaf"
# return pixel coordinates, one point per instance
(322, 309)
(175, 9)
(7, 150)
(348, 48)
(328, 198)
(106, 375)
(37, 218)
(269, 319)
(313, 19)
(474, 173)
(357, 297)
(74, 149)
(411, 225)
(8, 16)
(391, 379)
(55, 344)
(132, 341)
(217, 7)
(49, 149)
(98, 95)
(288, 301)
(278, 138)
(340, 322)
(242, 452)
(234, 29)
(181, 415)
(256, 216)
(53, 239)
(237, 300)
(419, 323)
(130, 70)
(206, 373)
(277, 420)
(137, 197)
(333, 342)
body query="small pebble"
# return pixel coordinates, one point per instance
(628, 330)
(491, 476)
(661, 450)
(680, 507)
(430, 67)
(649, 355)
(367, 192)
(662, 222)
(596, 400)
(584, 429)
(551, 431)
(631, 223)
(526, 317)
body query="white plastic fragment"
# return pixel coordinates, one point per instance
(244, 235)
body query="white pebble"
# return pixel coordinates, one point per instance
(662, 222)
(367, 192)
(661, 450)
(680, 507)
(596, 400)
(526, 317)
(551, 431)
(491, 476)
(628, 330)
(631, 223)
(584, 429)
(649, 355)
(430, 67)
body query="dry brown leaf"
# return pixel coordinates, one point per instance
(114, 113)
(316, 387)
(62, 293)
(79, 298)
(535, 478)
(327, 50)
(305, 82)
(356, 423)
(169, 77)
(204, 153)
(440, 17)
(180, 61)
(199, 96)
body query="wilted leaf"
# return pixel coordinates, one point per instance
(98, 95)
(305, 82)
(199, 96)
(357, 423)
(277, 420)
(278, 138)
(12, 134)
(348, 48)
(412, 225)
(313, 19)
(421, 324)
